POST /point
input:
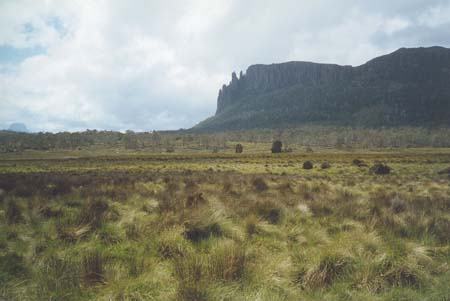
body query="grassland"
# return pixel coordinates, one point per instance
(123, 225)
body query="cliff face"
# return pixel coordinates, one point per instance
(260, 79)
(407, 87)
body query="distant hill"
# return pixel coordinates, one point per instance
(406, 87)
(18, 127)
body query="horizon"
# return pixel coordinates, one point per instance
(72, 66)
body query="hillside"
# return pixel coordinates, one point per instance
(406, 87)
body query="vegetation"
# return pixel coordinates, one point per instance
(99, 225)
(188, 141)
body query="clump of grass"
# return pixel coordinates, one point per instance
(93, 212)
(269, 210)
(132, 231)
(259, 184)
(13, 213)
(227, 262)
(57, 279)
(439, 227)
(251, 225)
(191, 272)
(12, 265)
(398, 205)
(330, 268)
(49, 212)
(195, 200)
(197, 231)
(196, 272)
(108, 235)
(92, 267)
(171, 245)
(396, 273)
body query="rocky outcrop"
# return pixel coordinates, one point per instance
(406, 87)
(261, 79)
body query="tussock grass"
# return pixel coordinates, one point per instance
(226, 227)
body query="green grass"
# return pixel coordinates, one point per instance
(202, 226)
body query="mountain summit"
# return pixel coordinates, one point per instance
(410, 86)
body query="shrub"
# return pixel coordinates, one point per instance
(260, 185)
(11, 266)
(380, 169)
(239, 148)
(277, 147)
(13, 213)
(359, 163)
(445, 171)
(440, 228)
(325, 165)
(2, 195)
(308, 165)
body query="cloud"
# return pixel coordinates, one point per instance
(147, 65)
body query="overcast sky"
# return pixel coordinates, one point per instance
(151, 65)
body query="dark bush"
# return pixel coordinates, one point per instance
(11, 266)
(440, 228)
(239, 148)
(48, 212)
(359, 163)
(2, 195)
(13, 213)
(380, 169)
(308, 165)
(325, 165)
(197, 232)
(277, 146)
(445, 171)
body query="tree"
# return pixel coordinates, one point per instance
(277, 146)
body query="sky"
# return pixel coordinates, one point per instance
(150, 65)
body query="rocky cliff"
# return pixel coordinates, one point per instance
(406, 87)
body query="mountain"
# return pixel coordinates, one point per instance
(18, 127)
(410, 86)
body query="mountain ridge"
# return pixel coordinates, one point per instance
(410, 86)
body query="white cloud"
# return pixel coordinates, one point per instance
(147, 65)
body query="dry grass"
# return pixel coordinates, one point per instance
(261, 228)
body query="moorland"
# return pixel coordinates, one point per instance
(126, 224)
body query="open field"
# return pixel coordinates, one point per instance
(129, 225)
